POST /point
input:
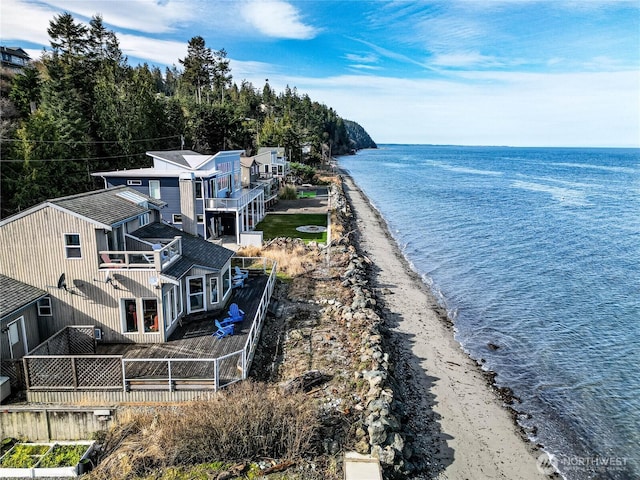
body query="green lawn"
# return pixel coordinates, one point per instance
(284, 225)
(311, 194)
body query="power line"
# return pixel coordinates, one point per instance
(88, 143)
(11, 160)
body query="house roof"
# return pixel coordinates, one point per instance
(17, 51)
(104, 207)
(195, 250)
(151, 172)
(247, 161)
(15, 295)
(190, 159)
(279, 150)
(183, 158)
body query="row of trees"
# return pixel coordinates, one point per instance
(82, 108)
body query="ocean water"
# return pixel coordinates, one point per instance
(537, 251)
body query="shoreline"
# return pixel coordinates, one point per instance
(461, 426)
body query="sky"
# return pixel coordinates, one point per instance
(463, 72)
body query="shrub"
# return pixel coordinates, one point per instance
(288, 193)
(244, 422)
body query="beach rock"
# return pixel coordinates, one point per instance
(386, 455)
(377, 432)
(362, 446)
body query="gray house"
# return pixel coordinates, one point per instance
(105, 259)
(204, 194)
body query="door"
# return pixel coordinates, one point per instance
(17, 339)
(195, 294)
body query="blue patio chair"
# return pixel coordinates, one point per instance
(235, 313)
(223, 330)
(240, 274)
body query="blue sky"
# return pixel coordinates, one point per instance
(482, 72)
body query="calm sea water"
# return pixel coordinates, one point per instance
(537, 251)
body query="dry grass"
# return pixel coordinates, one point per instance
(245, 422)
(293, 259)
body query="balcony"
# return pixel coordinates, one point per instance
(234, 203)
(145, 256)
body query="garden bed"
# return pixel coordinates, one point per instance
(41, 460)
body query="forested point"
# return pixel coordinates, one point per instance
(82, 108)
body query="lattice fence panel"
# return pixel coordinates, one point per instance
(204, 369)
(59, 344)
(147, 369)
(99, 372)
(81, 341)
(50, 372)
(13, 370)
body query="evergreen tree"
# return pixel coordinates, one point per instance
(198, 66)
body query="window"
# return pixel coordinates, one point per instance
(72, 245)
(226, 281)
(199, 189)
(134, 183)
(213, 289)
(44, 307)
(195, 294)
(14, 336)
(143, 219)
(154, 189)
(130, 314)
(170, 304)
(176, 218)
(150, 313)
(200, 218)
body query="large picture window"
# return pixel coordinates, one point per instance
(72, 247)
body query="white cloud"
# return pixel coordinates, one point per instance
(466, 59)
(361, 66)
(148, 16)
(487, 108)
(352, 57)
(166, 52)
(20, 20)
(278, 19)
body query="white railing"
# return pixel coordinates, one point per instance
(233, 203)
(256, 325)
(158, 259)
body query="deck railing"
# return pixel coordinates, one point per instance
(157, 259)
(65, 362)
(233, 203)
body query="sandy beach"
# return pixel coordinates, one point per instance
(461, 425)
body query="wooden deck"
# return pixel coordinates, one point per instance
(145, 364)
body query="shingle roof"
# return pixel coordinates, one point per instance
(107, 206)
(15, 295)
(195, 250)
